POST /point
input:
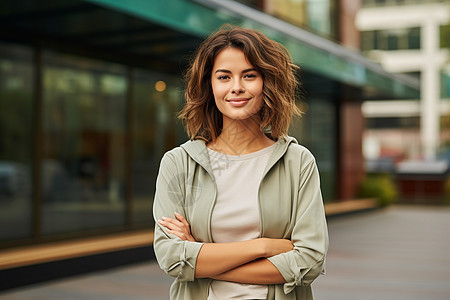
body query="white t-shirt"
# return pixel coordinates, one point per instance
(236, 215)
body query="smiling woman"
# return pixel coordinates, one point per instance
(270, 60)
(238, 209)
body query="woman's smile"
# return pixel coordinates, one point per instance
(238, 102)
(237, 85)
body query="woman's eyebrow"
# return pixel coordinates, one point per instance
(228, 71)
(222, 71)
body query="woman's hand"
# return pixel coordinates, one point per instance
(273, 247)
(178, 226)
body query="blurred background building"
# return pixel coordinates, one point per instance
(411, 136)
(89, 90)
(409, 37)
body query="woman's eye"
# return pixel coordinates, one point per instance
(250, 76)
(221, 77)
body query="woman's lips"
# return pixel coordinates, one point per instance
(238, 101)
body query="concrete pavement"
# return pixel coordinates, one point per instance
(398, 253)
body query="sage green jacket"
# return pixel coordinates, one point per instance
(290, 203)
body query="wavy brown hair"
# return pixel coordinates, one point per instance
(202, 118)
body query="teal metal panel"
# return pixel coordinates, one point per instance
(181, 15)
(196, 19)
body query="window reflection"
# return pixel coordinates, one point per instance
(318, 135)
(16, 132)
(83, 144)
(312, 14)
(155, 130)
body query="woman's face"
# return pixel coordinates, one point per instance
(237, 85)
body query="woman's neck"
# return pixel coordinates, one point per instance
(240, 137)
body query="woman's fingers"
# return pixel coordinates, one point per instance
(183, 221)
(171, 224)
(179, 227)
(180, 222)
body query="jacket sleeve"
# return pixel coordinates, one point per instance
(309, 236)
(175, 256)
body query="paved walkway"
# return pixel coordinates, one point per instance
(398, 253)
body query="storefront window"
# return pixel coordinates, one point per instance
(83, 144)
(16, 141)
(157, 99)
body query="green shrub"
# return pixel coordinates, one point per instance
(379, 186)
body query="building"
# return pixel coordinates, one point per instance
(89, 90)
(410, 37)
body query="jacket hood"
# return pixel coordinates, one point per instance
(196, 149)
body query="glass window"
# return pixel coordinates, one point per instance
(318, 16)
(445, 83)
(83, 144)
(322, 138)
(392, 41)
(16, 141)
(378, 40)
(416, 75)
(294, 12)
(157, 99)
(414, 38)
(319, 136)
(444, 36)
(392, 122)
(367, 40)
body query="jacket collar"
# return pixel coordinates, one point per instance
(197, 150)
(281, 148)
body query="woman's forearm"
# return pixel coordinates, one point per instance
(216, 258)
(261, 271)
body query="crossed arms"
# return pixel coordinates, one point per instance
(244, 262)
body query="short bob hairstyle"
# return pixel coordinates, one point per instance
(200, 114)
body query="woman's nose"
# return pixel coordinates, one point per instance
(237, 91)
(237, 88)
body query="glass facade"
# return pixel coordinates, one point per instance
(316, 16)
(322, 135)
(392, 39)
(16, 141)
(103, 128)
(316, 130)
(156, 100)
(83, 142)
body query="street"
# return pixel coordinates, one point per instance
(397, 253)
